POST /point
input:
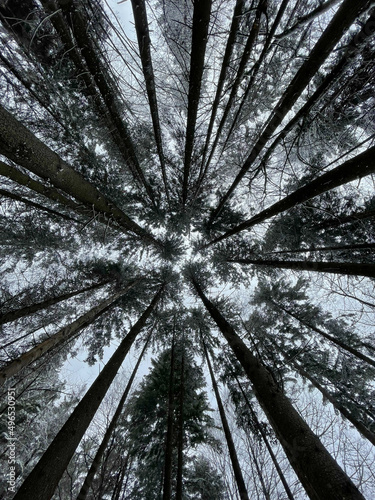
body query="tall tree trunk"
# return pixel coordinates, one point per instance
(43, 479)
(223, 73)
(180, 435)
(355, 168)
(242, 491)
(38, 306)
(38, 206)
(346, 219)
(266, 442)
(144, 44)
(167, 483)
(21, 146)
(358, 246)
(108, 433)
(240, 72)
(201, 20)
(346, 268)
(327, 336)
(318, 472)
(62, 336)
(347, 13)
(97, 70)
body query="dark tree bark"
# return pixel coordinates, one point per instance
(62, 336)
(167, 482)
(43, 479)
(27, 310)
(38, 206)
(223, 73)
(201, 20)
(355, 168)
(240, 72)
(266, 442)
(333, 248)
(343, 19)
(180, 434)
(94, 64)
(347, 268)
(144, 44)
(318, 472)
(21, 146)
(340, 220)
(82, 495)
(242, 491)
(332, 339)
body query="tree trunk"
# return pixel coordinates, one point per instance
(241, 69)
(201, 20)
(346, 219)
(329, 337)
(43, 479)
(220, 84)
(346, 268)
(242, 491)
(144, 44)
(352, 169)
(180, 436)
(61, 336)
(98, 72)
(266, 442)
(27, 310)
(318, 472)
(25, 201)
(347, 13)
(108, 433)
(359, 246)
(167, 484)
(23, 147)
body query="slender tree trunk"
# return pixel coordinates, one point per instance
(223, 73)
(38, 306)
(242, 491)
(62, 336)
(259, 474)
(38, 206)
(53, 194)
(21, 146)
(327, 336)
(346, 268)
(347, 13)
(346, 219)
(108, 433)
(98, 72)
(43, 479)
(201, 19)
(355, 168)
(358, 246)
(167, 485)
(144, 44)
(241, 69)
(266, 442)
(180, 436)
(318, 472)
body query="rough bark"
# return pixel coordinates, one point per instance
(318, 472)
(242, 491)
(43, 479)
(180, 431)
(342, 20)
(82, 495)
(167, 483)
(21, 146)
(38, 206)
(201, 19)
(63, 335)
(266, 442)
(38, 306)
(346, 268)
(144, 44)
(355, 168)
